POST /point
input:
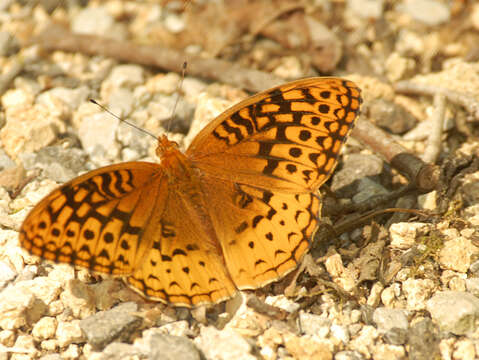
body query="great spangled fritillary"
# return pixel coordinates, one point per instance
(238, 210)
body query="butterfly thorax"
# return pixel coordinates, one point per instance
(184, 182)
(176, 165)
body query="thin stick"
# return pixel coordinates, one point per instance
(351, 224)
(463, 99)
(433, 147)
(422, 175)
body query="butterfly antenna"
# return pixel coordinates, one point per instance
(123, 120)
(180, 85)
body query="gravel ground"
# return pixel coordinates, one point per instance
(395, 289)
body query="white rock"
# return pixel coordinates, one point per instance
(403, 235)
(69, 332)
(457, 254)
(429, 12)
(26, 343)
(417, 292)
(127, 76)
(14, 303)
(224, 344)
(312, 324)
(93, 20)
(386, 319)
(366, 9)
(44, 288)
(45, 328)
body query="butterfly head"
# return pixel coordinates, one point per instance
(166, 147)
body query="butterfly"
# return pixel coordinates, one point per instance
(238, 210)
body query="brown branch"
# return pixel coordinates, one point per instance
(423, 176)
(58, 38)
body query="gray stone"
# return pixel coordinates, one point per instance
(106, 326)
(391, 116)
(5, 161)
(58, 164)
(325, 48)
(367, 313)
(355, 168)
(71, 97)
(423, 341)
(470, 190)
(169, 347)
(367, 189)
(472, 286)
(396, 336)
(455, 311)
(474, 268)
(387, 319)
(120, 351)
(5, 4)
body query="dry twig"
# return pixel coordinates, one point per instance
(462, 99)
(58, 38)
(433, 147)
(421, 175)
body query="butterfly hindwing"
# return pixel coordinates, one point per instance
(185, 264)
(264, 234)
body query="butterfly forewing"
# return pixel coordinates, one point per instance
(98, 220)
(286, 138)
